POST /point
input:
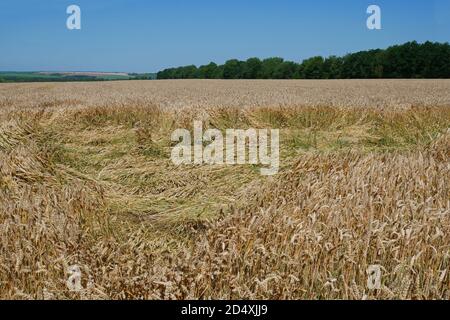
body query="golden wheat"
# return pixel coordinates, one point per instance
(86, 180)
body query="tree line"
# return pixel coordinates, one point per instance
(409, 60)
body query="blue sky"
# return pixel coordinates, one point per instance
(149, 35)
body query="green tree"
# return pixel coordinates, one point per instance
(269, 66)
(232, 69)
(208, 71)
(313, 68)
(285, 70)
(332, 67)
(252, 68)
(410, 60)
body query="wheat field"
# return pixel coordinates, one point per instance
(86, 180)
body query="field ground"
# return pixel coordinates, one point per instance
(86, 179)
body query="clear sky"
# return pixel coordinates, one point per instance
(149, 35)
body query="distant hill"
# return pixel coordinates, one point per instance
(49, 76)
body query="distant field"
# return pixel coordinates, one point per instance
(86, 179)
(65, 76)
(235, 93)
